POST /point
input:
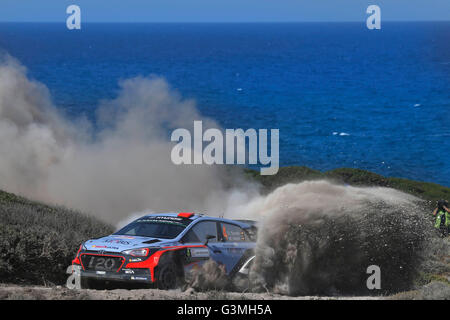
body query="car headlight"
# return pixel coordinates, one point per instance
(141, 252)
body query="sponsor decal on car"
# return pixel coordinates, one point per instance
(198, 253)
(128, 271)
(104, 247)
(135, 260)
(124, 237)
(138, 278)
(123, 242)
(166, 221)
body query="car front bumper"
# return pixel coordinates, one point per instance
(126, 275)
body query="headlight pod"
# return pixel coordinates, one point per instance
(141, 252)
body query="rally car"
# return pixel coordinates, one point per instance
(162, 250)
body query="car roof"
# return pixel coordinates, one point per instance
(199, 216)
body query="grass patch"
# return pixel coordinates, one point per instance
(425, 278)
(38, 241)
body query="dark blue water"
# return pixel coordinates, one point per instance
(388, 89)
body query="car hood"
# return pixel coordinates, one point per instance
(119, 243)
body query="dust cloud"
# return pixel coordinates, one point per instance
(121, 167)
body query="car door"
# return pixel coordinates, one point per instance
(234, 246)
(196, 236)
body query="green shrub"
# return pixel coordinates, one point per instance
(38, 242)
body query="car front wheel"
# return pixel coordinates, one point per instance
(167, 277)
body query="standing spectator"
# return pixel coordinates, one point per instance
(442, 213)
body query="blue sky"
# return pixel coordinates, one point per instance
(222, 10)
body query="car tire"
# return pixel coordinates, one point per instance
(168, 277)
(240, 283)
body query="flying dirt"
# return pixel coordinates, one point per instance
(319, 238)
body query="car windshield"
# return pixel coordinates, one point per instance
(154, 228)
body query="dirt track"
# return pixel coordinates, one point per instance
(436, 290)
(15, 292)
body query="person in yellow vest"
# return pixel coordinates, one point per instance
(442, 214)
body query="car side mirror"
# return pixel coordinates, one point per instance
(209, 237)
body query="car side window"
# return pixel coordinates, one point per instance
(199, 232)
(233, 233)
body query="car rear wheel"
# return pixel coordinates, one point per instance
(241, 279)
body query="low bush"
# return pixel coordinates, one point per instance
(38, 242)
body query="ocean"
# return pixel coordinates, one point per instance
(340, 94)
